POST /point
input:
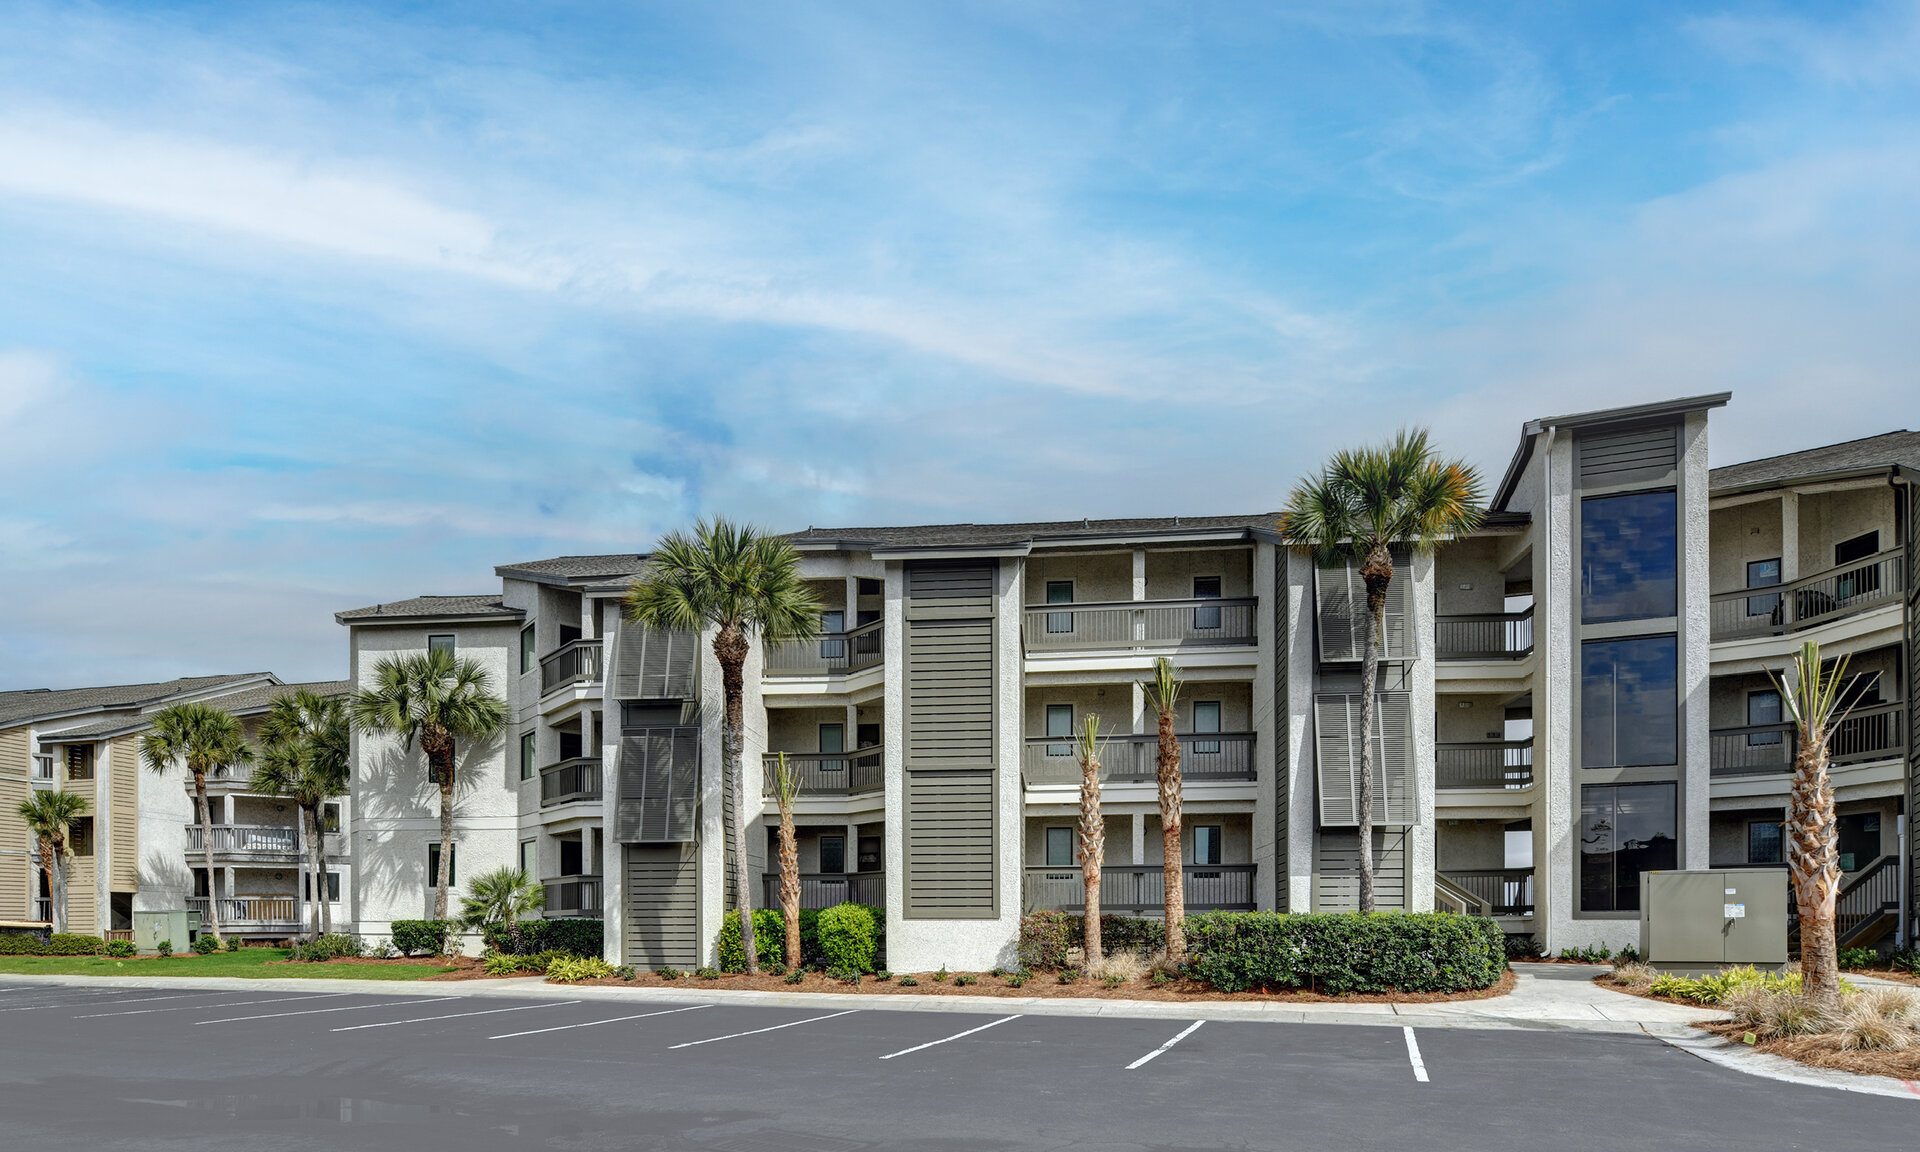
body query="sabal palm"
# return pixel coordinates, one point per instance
(436, 701)
(305, 755)
(1811, 698)
(1163, 692)
(503, 896)
(740, 583)
(785, 787)
(50, 816)
(203, 738)
(1092, 831)
(1364, 502)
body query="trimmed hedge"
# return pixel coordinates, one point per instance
(59, 944)
(849, 937)
(1343, 952)
(575, 937)
(1045, 937)
(856, 946)
(427, 936)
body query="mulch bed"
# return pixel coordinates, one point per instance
(1046, 985)
(1824, 1052)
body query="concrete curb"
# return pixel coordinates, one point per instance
(1740, 1058)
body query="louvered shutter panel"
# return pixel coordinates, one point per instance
(650, 665)
(1629, 456)
(658, 786)
(1338, 770)
(1336, 720)
(662, 905)
(950, 846)
(1393, 757)
(1343, 611)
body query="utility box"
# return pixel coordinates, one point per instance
(1715, 916)
(149, 928)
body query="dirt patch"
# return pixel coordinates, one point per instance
(1046, 985)
(1825, 1052)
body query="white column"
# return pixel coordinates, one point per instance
(1139, 837)
(1139, 593)
(853, 609)
(1789, 537)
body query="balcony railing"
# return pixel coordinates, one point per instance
(831, 773)
(832, 654)
(576, 779)
(1494, 891)
(1505, 764)
(249, 911)
(1140, 888)
(573, 896)
(43, 768)
(825, 889)
(1870, 733)
(1137, 624)
(1831, 595)
(1132, 759)
(575, 662)
(43, 909)
(1488, 636)
(247, 839)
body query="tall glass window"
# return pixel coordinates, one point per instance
(1625, 829)
(1629, 703)
(1060, 723)
(1629, 551)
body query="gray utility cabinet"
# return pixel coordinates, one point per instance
(1713, 917)
(149, 928)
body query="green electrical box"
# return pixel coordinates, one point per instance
(149, 928)
(1713, 917)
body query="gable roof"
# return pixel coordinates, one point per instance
(1888, 450)
(26, 705)
(1022, 535)
(559, 569)
(431, 608)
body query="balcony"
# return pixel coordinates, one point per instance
(573, 896)
(1140, 624)
(1137, 888)
(1487, 636)
(247, 840)
(1821, 598)
(43, 909)
(1204, 757)
(831, 773)
(250, 913)
(575, 662)
(832, 654)
(1486, 891)
(825, 889)
(569, 780)
(1502, 764)
(1870, 733)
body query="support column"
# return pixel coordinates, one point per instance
(1139, 837)
(1139, 593)
(852, 620)
(1789, 537)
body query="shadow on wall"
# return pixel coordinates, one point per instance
(165, 881)
(392, 879)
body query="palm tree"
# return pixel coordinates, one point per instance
(50, 817)
(305, 754)
(786, 785)
(1093, 829)
(435, 700)
(1813, 857)
(738, 582)
(1164, 694)
(503, 895)
(205, 738)
(1364, 503)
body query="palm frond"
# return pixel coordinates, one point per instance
(1368, 498)
(203, 736)
(725, 575)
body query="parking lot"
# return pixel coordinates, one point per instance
(429, 1067)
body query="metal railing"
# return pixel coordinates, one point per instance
(1505, 764)
(246, 838)
(43, 767)
(1133, 759)
(1870, 733)
(575, 662)
(825, 889)
(1830, 595)
(1137, 888)
(1485, 636)
(43, 909)
(1129, 624)
(575, 779)
(831, 773)
(1500, 891)
(573, 896)
(246, 911)
(223, 776)
(832, 654)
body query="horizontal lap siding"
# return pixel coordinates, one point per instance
(1629, 456)
(950, 845)
(663, 915)
(1336, 885)
(17, 865)
(123, 763)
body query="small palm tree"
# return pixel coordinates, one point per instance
(1364, 503)
(50, 817)
(504, 895)
(305, 755)
(1813, 855)
(1163, 692)
(436, 701)
(739, 583)
(204, 738)
(1093, 829)
(786, 785)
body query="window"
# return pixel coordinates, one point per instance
(333, 887)
(528, 742)
(833, 854)
(1059, 592)
(1764, 574)
(79, 761)
(1763, 842)
(1206, 844)
(833, 738)
(1206, 588)
(42, 767)
(1059, 723)
(1858, 548)
(1206, 719)
(526, 649)
(833, 646)
(1629, 703)
(200, 887)
(440, 644)
(530, 858)
(573, 855)
(1860, 581)
(1859, 840)
(1059, 847)
(433, 864)
(330, 817)
(1763, 707)
(1625, 829)
(80, 836)
(1628, 555)
(867, 736)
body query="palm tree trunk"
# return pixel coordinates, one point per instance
(57, 885)
(1377, 573)
(206, 849)
(444, 880)
(1814, 863)
(46, 869)
(316, 868)
(730, 648)
(1173, 875)
(1093, 844)
(790, 883)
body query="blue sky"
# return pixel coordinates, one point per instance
(308, 307)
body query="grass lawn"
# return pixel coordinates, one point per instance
(256, 963)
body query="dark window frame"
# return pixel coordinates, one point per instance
(528, 652)
(1060, 623)
(840, 841)
(1214, 835)
(1207, 747)
(1048, 712)
(452, 644)
(1615, 759)
(1207, 619)
(433, 864)
(1768, 605)
(1065, 837)
(1620, 891)
(529, 754)
(1777, 855)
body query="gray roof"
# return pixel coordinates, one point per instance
(1019, 534)
(434, 608)
(240, 703)
(30, 704)
(576, 567)
(1887, 450)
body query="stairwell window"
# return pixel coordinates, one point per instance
(1629, 702)
(1625, 829)
(1859, 840)
(1206, 719)
(1763, 842)
(1206, 588)
(1629, 557)
(433, 865)
(440, 644)
(1059, 592)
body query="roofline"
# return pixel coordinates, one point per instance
(1866, 473)
(251, 679)
(509, 572)
(1021, 546)
(951, 551)
(509, 616)
(1523, 455)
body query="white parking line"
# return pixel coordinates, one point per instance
(1189, 1030)
(757, 1031)
(317, 1011)
(1413, 1054)
(591, 1023)
(197, 1007)
(955, 1036)
(97, 1000)
(453, 1016)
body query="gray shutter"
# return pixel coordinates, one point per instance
(950, 846)
(1336, 873)
(1333, 724)
(1393, 757)
(661, 892)
(1343, 611)
(651, 665)
(658, 786)
(1282, 728)
(949, 693)
(1629, 456)
(1336, 721)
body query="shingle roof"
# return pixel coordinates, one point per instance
(29, 704)
(1882, 451)
(577, 567)
(989, 535)
(243, 702)
(434, 607)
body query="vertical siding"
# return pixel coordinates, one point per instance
(17, 867)
(123, 839)
(1282, 728)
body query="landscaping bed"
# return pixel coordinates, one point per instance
(248, 963)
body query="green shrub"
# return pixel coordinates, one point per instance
(964, 979)
(1729, 982)
(1859, 957)
(206, 945)
(498, 964)
(1046, 937)
(940, 977)
(332, 946)
(1113, 979)
(626, 972)
(796, 976)
(668, 973)
(1524, 946)
(849, 937)
(1068, 975)
(1599, 954)
(120, 949)
(573, 936)
(570, 969)
(707, 973)
(427, 937)
(164, 948)
(909, 982)
(59, 944)
(233, 943)
(1343, 952)
(770, 938)
(883, 975)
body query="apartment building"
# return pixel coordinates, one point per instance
(139, 847)
(1570, 696)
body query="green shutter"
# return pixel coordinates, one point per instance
(661, 893)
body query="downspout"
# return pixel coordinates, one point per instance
(1542, 629)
